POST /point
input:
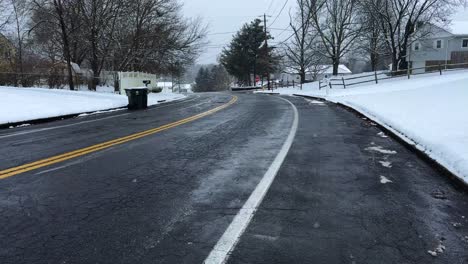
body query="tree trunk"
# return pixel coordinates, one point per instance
(303, 75)
(95, 81)
(19, 62)
(374, 61)
(403, 60)
(394, 62)
(66, 45)
(336, 65)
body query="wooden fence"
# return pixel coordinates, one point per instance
(376, 77)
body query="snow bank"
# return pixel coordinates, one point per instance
(25, 104)
(429, 111)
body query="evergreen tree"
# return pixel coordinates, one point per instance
(212, 79)
(200, 80)
(220, 78)
(247, 54)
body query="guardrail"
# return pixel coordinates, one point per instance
(273, 85)
(375, 77)
(247, 88)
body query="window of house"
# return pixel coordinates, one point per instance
(416, 46)
(438, 44)
(464, 43)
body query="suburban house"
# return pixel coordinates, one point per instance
(441, 46)
(326, 71)
(314, 73)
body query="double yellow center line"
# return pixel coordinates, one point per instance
(80, 152)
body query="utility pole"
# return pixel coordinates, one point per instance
(266, 51)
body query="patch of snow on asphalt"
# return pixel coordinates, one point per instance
(386, 164)
(428, 111)
(382, 135)
(385, 180)
(101, 112)
(439, 250)
(22, 125)
(25, 104)
(381, 150)
(315, 102)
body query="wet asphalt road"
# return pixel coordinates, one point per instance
(169, 197)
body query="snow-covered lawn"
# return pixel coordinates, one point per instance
(429, 111)
(25, 104)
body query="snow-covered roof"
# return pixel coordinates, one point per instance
(328, 69)
(459, 25)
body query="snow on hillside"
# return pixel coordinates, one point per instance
(25, 104)
(429, 111)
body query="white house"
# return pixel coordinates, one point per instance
(441, 46)
(326, 71)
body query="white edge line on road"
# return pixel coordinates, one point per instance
(89, 121)
(226, 244)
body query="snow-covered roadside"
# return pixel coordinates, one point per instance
(26, 104)
(430, 112)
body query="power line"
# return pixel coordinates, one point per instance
(292, 35)
(216, 47)
(234, 32)
(284, 30)
(276, 9)
(284, 41)
(279, 14)
(269, 7)
(221, 33)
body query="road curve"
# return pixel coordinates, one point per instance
(346, 193)
(164, 198)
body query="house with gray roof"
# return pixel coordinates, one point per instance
(441, 45)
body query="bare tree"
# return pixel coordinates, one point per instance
(142, 23)
(401, 20)
(60, 11)
(98, 18)
(16, 18)
(371, 42)
(300, 52)
(118, 35)
(3, 14)
(152, 36)
(53, 21)
(337, 24)
(184, 44)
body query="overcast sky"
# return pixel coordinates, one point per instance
(229, 15)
